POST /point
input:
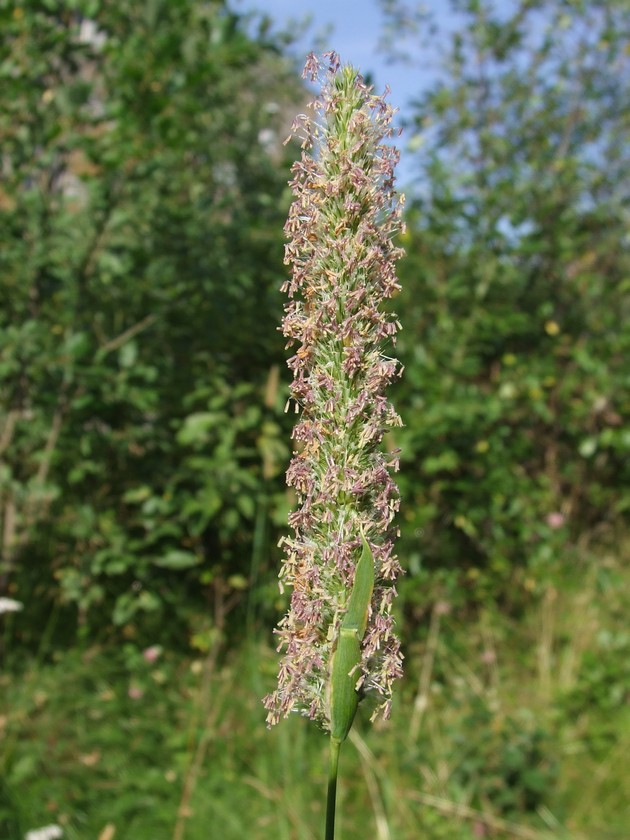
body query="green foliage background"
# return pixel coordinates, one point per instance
(143, 439)
(141, 259)
(517, 300)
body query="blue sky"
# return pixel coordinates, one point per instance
(355, 32)
(352, 29)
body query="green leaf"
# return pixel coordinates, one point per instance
(177, 559)
(196, 428)
(128, 354)
(135, 495)
(344, 698)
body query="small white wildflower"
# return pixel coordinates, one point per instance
(10, 605)
(267, 138)
(47, 832)
(89, 33)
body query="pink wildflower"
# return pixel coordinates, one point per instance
(555, 520)
(152, 654)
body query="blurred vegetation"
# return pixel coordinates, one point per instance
(516, 302)
(141, 261)
(501, 729)
(143, 440)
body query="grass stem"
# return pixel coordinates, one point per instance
(331, 803)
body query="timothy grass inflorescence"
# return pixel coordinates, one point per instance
(340, 228)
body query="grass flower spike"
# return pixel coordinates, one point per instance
(337, 638)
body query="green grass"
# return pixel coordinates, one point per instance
(501, 729)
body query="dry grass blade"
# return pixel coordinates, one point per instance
(368, 763)
(491, 821)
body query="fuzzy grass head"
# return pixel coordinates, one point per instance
(340, 229)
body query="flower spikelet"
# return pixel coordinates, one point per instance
(342, 257)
